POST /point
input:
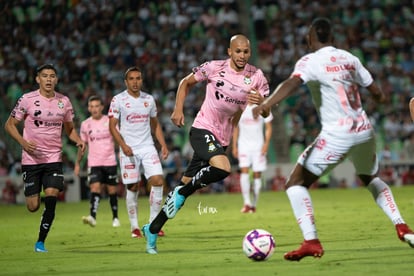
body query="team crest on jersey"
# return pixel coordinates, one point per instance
(146, 104)
(211, 147)
(60, 104)
(247, 80)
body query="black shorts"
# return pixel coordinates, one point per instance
(205, 146)
(103, 174)
(48, 175)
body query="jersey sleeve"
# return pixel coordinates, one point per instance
(153, 111)
(69, 114)
(20, 109)
(363, 77)
(114, 110)
(202, 71)
(269, 118)
(302, 69)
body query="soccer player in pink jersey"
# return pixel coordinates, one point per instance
(102, 169)
(250, 145)
(44, 113)
(228, 86)
(135, 112)
(333, 77)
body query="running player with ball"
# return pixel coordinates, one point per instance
(229, 83)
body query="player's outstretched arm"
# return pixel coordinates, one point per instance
(177, 117)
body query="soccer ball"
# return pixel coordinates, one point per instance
(258, 245)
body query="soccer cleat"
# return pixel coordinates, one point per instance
(116, 222)
(89, 220)
(308, 248)
(40, 247)
(245, 209)
(161, 233)
(405, 234)
(136, 233)
(151, 240)
(252, 210)
(173, 203)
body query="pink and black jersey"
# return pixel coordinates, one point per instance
(100, 142)
(226, 93)
(134, 116)
(43, 122)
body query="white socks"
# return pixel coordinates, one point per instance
(131, 204)
(256, 190)
(301, 203)
(385, 200)
(155, 200)
(245, 188)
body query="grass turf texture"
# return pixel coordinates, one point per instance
(358, 238)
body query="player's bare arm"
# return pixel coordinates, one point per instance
(282, 91)
(268, 136)
(411, 106)
(177, 117)
(159, 135)
(79, 157)
(235, 137)
(74, 136)
(11, 127)
(254, 97)
(376, 92)
(118, 137)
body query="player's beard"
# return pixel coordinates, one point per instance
(238, 66)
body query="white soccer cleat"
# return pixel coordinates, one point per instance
(405, 234)
(116, 222)
(409, 238)
(89, 220)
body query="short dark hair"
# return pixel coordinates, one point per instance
(323, 29)
(95, 98)
(130, 69)
(45, 66)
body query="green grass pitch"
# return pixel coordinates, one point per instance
(205, 238)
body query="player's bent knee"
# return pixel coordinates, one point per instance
(33, 208)
(220, 173)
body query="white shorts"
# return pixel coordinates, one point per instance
(130, 165)
(332, 147)
(254, 159)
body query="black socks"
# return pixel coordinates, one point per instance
(47, 217)
(204, 177)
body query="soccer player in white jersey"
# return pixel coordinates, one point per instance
(132, 118)
(250, 145)
(44, 113)
(102, 170)
(228, 86)
(333, 77)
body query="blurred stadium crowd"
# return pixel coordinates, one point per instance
(93, 42)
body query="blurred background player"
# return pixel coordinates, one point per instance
(250, 145)
(102, 166)
(135, 112)
(44, 113)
